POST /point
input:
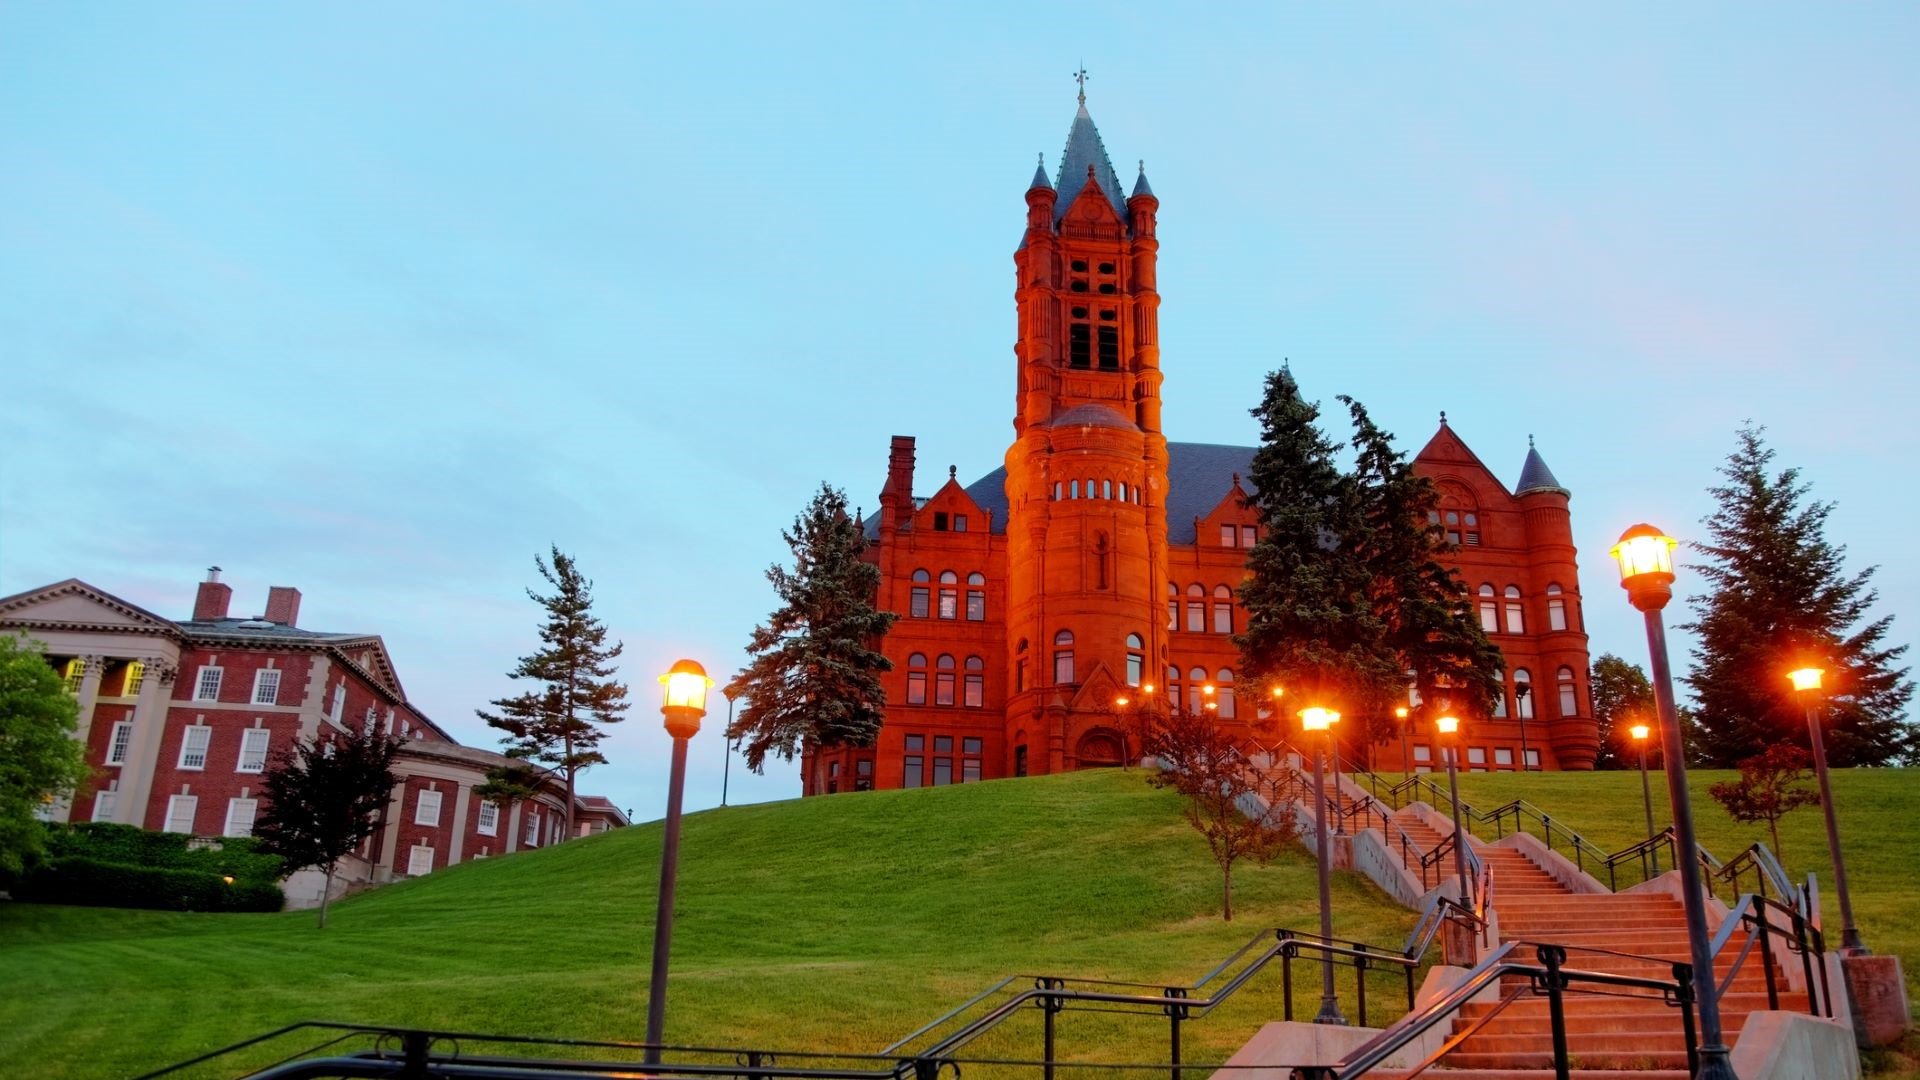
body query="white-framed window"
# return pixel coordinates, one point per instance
(533, 829)
(339, 707)
(419, 861)
(1569, 695)
(427, 810)
(180, 811)
(489, 818)
(1523, 693)
(1489, 610)
(266, 686)
(118, 741)
(1556, 608)
(136, 678)
(1516, 622)
(253, 750)
(240, 817)
(193, 746)
(207, 686)
(103, 803)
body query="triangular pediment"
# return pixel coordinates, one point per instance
(950, 500)
(1448, 450)
(1092, 213)
(74, 604)
(1098, 688)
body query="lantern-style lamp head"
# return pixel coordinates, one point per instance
(1279, 692)
(1447, 725)
(1400, 713)
(1806, 680)
(685, 697)
(1122, 701)
(1206, 689)
(1316, 718)
(1645, 555)
(1147, 689)
(1640, 732)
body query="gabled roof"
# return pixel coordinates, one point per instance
(74, 604)
(1447, 448)
(1084, 149)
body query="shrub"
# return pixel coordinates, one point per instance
(237, 857)
(73, 880)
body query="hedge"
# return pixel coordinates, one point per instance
(237, 857)
(71, 880)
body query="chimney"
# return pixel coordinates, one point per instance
(214, 596)
(896, 498)
(283, 605)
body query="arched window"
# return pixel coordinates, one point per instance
(1516, 622)
(1489, 610)
(1196, 690)
(1063, 658)
(1556, 608)
(1196, 609)
(1106, 489)
(1136, 659)
(949, 595)
(1523, 693)
(1569, 694)
(1124, 497)
(1059, 490)
(1225, 692)
(1173, 687)
(1222, 610)
(922, 596)
(1173, 606)
(976, 597)
(976, 691)
(1073, 489)
(943, 680)
(917, 679)
(1020, 667)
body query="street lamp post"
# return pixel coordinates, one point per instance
(1450, 725)
(1640, 733)
(1333, 748)
(1520, 710)
(1321, 720)
(1406, 760)
(1806, 682)
(684, 703)
(726, 742)
(1645, 555)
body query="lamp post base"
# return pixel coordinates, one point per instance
(1330, 1013)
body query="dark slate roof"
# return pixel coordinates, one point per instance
(1084, 148)
(1040, 176)
(1140, 186)
(1092, 415)
(1534, 475)
(1199, 474)
(265, 631)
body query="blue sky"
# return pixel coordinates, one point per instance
(379, 302)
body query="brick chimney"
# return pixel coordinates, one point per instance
(214, 596)
(283, 605)
(896, 496)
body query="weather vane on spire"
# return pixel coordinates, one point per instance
(1081, 78)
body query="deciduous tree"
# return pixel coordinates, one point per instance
(1779, 595)
(1236, 809)
(814, 674)
(324, 796)
(1622, 697)
(558, 725)
(40, 760)
(1772, 785)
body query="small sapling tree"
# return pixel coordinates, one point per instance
(1233, 806)
(324, 797)
(1772, 784)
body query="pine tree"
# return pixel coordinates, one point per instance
(813, 679)
(323, 797)
(1311, 625)
(1780, 596)
(1622, 697)
(558, 726)
(1429, 619)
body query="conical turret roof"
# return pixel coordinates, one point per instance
(1084, 149)
(1534, 475)
(1040, 176)
(1140, 186)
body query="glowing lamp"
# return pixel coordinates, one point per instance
(1147, 689)
(1447, 725)
(684, 701)
(1122, 702)
(1645, 555)
(1279, 692)
(1317, 718)
(1206, 689)
(227, 878)
(1806, 679)
(1401, 712)
(1640, 732)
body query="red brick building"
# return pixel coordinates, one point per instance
(181, 716)
(1102, 556)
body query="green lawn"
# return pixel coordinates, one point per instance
(838, 923)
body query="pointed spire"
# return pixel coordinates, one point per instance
(1140, 186)
(1534, 475)
(1085, 154)
(1040, 175)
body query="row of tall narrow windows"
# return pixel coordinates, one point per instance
(920, 603)
(918, 769)
(1566, 694)
(972, 681)
(1098, 489)
(1089, 339)
(1510, 604)
(1191, 691)
(1197, 608)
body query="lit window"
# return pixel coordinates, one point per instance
(180, 811)
(420, 860)
(240, 817)
(1136, 659)
(912, 771)
(136, 678)
(253, 750)
(921, 595)
(1569, 694)
(1063, 658)
(489, 818)
(1196, 609)
(193, 748)
(949, 595)
(1556, 609)
(1516, 624)
(74, 673)
(976, 692)
(103, 804)
(117, 743)
(207, 687)
(1489, 611)
(1222, 610)
(427, 810)
(976, 597)
(266, 686)
(1223, 692)
(943, 680)
(1523, 693)
(917, 679)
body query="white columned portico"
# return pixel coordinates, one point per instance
(143, 748)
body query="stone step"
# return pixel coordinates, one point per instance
(1543, 1059)
(1531, 1074)
(1580, 1004)
(1658, 1018)
(1583, 1045)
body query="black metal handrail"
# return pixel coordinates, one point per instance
(1756, 915)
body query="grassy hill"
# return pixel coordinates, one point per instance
(838, 923)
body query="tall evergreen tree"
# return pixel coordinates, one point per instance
(558, 725)
(814, 674)
(324, 796)
(1311, 625)
(1622, 697)
(1429, 619)
(1780, 595)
